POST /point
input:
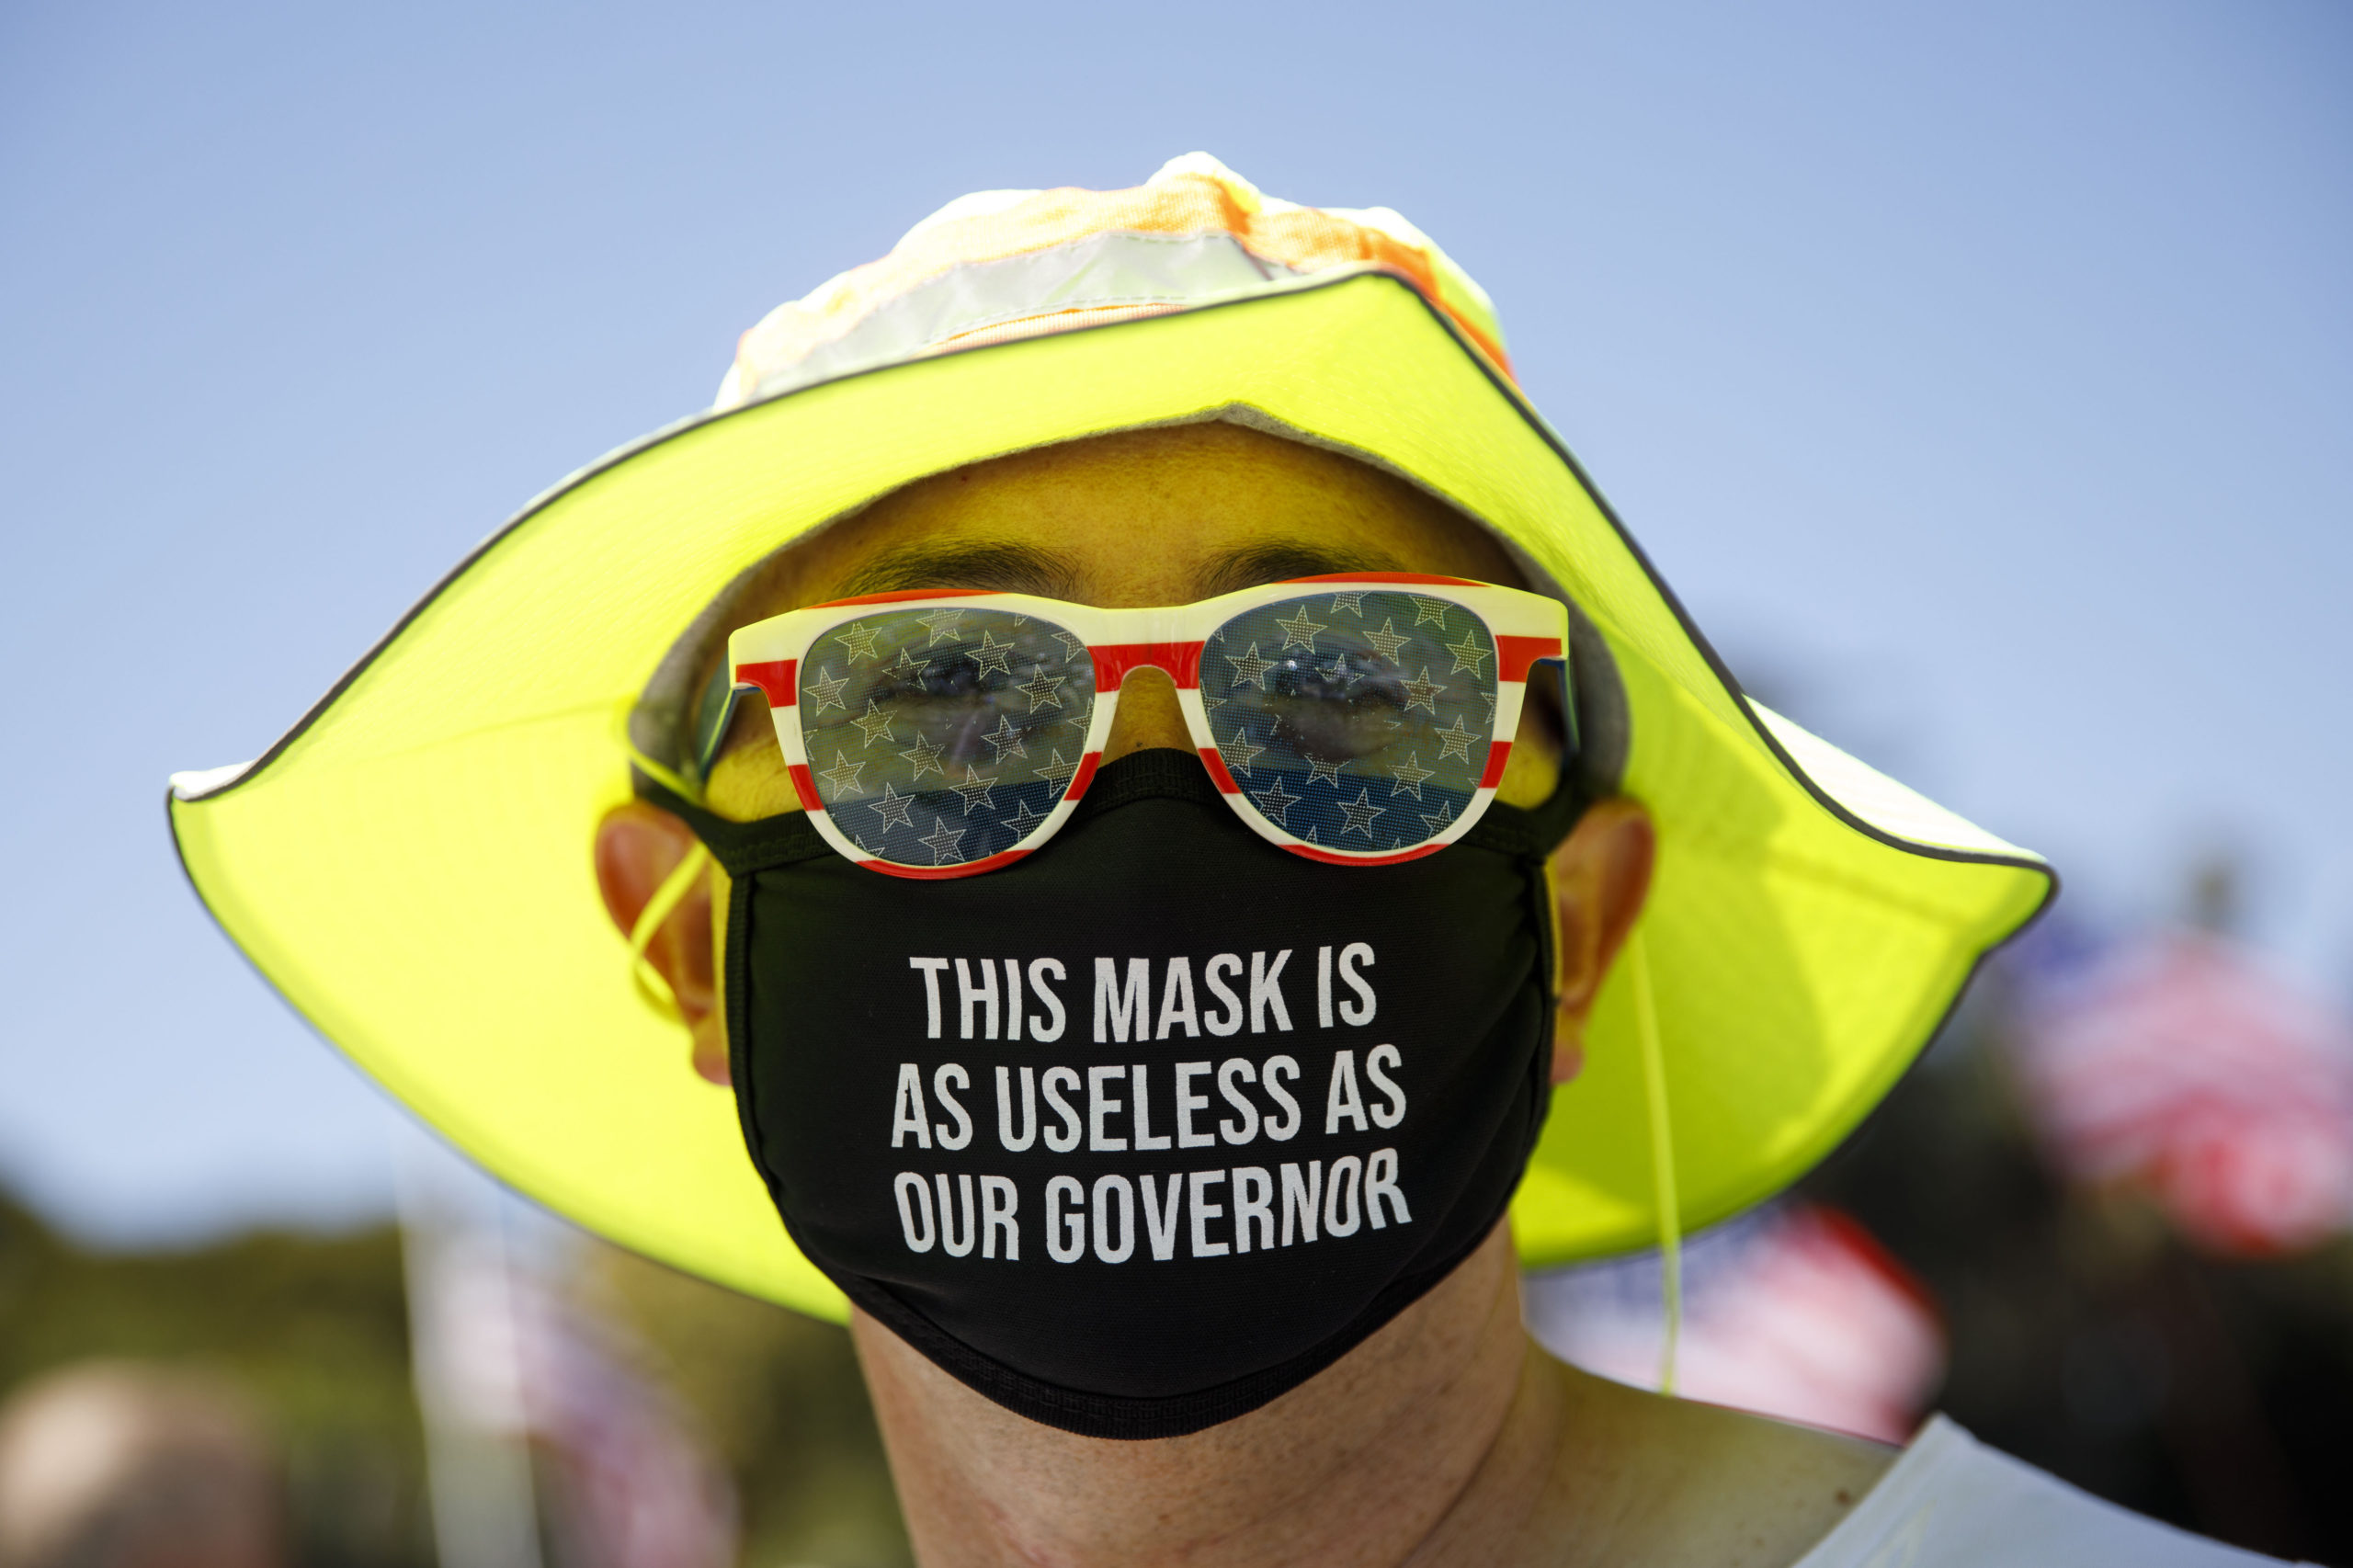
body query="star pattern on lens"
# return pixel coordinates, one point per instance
(1299, 631)
(1423, 692)
(826, 689)
(1057, 770)
(1410, 775)
(1276, 802)
(1042, 691)
(843, 774)
(874, 723)
(925, 757)
(896, 807)
(990, 677)
(993, 655)
(942, 841)
(1359, 812)
(1241, 752)
(1249, 669)
(1388, 639)
(1437, 821)
(1023, 822)
(1430, 610)
(975, 790)
(1281, 687)
(1468, 656)
(1006, 738)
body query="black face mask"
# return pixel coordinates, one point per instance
(1142, 1131)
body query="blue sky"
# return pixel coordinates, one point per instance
(1981, 377)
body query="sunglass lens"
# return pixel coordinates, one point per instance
(1357, 720)
(938, 737)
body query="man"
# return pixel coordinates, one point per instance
(1164, 807)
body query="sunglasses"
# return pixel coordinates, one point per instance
(1360, 719)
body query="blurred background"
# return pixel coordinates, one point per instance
(1970, 371)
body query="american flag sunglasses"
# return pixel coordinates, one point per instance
(1360, 719)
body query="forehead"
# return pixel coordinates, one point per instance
(1144, 518)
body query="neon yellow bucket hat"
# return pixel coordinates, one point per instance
(411, 864)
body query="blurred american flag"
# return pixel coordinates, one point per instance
(1793, 1311)
(2179, 1065)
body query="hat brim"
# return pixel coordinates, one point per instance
(411, 865)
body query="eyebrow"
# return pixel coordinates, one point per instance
(1274, 560)
(1004, 568)
(1023, 569)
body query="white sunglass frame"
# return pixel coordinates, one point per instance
(1528, 629)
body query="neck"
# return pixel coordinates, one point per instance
(1434, 1435)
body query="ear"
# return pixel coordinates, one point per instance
(1602, 874)
(637, 848)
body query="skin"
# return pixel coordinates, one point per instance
(1449, 1437)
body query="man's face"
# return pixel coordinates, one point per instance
(1160, 516)
(1150, 517)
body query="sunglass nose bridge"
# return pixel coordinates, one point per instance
(1114, 663)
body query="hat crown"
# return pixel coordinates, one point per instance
(997, 265)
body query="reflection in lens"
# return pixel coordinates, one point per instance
(938, 737)
(1357, 720)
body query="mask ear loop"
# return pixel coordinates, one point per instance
(1670, 1213)
(651, 986)
(668, 777)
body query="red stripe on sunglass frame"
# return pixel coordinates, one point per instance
(1116, 661)
(773, 676)
(909, 594)
(944, 873)
(1514, 656)
(1226, 783)
(1331, 858)
(1422, 578)
(906, 596)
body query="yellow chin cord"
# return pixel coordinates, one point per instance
(1670, 1212)
(658, 909)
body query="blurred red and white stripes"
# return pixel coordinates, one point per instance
(2179, 1065)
